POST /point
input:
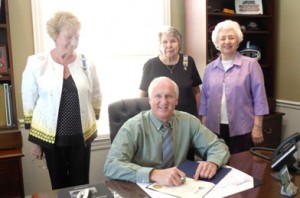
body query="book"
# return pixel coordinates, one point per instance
(95, 191)
(8, 104)
(3, 59)
(2, 107)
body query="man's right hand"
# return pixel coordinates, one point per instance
(168, 177)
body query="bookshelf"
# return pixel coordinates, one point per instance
(7, 96)
(11, 176)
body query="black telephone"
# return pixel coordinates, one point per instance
(284, 154)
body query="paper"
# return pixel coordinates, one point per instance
(235, 181)
(153, 193)
(189, 189)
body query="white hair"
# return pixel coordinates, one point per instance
(157, 80)
(226, 25)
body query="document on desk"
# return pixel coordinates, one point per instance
(190, 189)
(228, 181)
(234, 182)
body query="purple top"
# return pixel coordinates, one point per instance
(245, 94)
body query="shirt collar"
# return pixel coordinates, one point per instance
(237, 61)
(156, 122)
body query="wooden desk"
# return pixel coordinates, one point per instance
(245, 161)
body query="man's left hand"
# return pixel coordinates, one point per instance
(206, 170)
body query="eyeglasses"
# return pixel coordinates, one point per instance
(39, 163)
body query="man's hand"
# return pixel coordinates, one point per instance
(206, 170)
(168, 177)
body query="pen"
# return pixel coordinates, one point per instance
(183, 179)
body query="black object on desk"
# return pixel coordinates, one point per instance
(95, 190)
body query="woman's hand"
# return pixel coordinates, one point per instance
(37, 151)
(257, 135)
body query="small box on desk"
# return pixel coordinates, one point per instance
(95, 190)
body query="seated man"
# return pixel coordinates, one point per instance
(136, 153)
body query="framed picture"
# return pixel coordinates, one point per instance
(248, 7)
(3, 59)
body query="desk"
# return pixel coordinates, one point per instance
(245, 161)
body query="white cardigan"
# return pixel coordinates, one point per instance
(42, 82)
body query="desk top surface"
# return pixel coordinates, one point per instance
(245, 161)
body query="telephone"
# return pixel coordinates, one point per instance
(85, 193)
(284, 154)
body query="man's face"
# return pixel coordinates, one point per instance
(163, 100)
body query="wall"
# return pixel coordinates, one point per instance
(177, 13)
(37, 179)
(22, 42)
(288, 69)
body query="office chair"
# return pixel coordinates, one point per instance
(120, 111)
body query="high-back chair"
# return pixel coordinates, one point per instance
(120, 111)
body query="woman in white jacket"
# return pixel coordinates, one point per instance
(61, 102)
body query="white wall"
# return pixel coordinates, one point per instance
(290, 123)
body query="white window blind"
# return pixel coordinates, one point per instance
(119, 36)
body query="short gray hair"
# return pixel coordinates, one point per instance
(172, 31)
(226, 25)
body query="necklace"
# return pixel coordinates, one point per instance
(170, 68)
(166, 61)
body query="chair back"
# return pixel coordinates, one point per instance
(120, 111)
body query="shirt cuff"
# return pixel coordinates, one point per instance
(142, 175)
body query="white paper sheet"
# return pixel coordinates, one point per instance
(235, 181)
(190, 189)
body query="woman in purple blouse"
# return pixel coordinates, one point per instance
(233, 99)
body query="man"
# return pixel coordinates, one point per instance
(136, 153)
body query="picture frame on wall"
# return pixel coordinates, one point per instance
(3, 59)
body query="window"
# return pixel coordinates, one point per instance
(119, 36)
